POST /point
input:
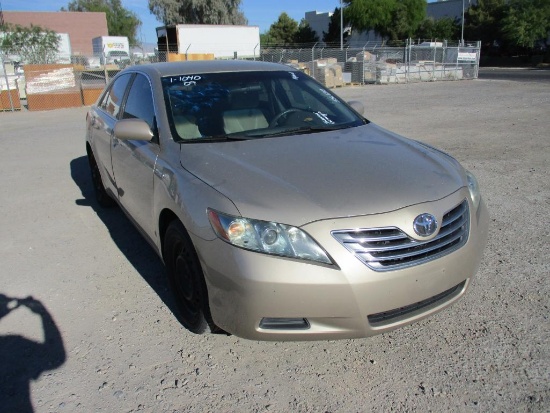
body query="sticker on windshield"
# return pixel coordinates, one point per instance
(329, 96)
(186, 80)
(294, 76)
(324, 117)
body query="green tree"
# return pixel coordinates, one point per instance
(198, 11)
(305, 33)
(482, 21)
(407, 17)
(445, 28)
(283, 31)
(393, 19)
(365, 15)
(265, 39)
(33, 45)
(525, 22)
(333, 34)
(120, 21)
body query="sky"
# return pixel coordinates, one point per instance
(258, 12)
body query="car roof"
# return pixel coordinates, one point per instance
(207, 66)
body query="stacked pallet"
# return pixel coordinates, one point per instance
(362, 67)
(327, 72)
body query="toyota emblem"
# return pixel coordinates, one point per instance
(425, 225)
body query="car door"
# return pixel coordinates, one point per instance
(134, 160)
(103, 121)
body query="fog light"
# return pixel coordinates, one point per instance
(284, 323)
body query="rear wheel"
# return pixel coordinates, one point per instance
(101, 195)
(186, 280)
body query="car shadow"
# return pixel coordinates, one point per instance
(126, 237)
(23, 359)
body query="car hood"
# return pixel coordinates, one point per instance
(303, 178)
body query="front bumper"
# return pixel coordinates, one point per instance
(346, 300)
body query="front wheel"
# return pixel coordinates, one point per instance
(186, 279)
(101, 195)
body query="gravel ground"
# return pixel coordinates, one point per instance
(121, 349)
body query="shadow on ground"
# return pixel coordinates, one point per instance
(22, 359)
(127, 238)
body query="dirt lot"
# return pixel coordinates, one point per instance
(120, 348)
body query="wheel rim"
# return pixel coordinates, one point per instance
(186, 288)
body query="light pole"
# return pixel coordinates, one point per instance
(342, 26)
(462, 33)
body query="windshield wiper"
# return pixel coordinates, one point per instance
(301, 130)
(216, 138)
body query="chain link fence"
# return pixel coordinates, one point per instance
(382, 64)
(80, 81)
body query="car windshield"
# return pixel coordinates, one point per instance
(248, 105)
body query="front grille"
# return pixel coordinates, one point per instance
(386, 249)
(387, 317)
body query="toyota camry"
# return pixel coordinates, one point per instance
(279, 210)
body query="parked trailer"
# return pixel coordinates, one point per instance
(221, 41)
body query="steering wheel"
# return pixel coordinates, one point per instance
(275, 120)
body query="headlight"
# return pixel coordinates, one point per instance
(267, 237)
(473, 186)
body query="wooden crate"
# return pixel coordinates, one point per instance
(54, 100)
(181, 57)
(90, 95)
(5, 100)
(51, 87)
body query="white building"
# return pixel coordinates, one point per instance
(318, 22)
(448, 8)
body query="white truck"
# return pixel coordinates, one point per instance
(223, 41)
(112, 49)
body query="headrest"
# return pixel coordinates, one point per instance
(245, 98)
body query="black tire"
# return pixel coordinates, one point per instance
(101, 195)
(186, 280)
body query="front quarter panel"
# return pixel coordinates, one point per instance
(186, 196)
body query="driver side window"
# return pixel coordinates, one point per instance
(113, 99)
(139, 103)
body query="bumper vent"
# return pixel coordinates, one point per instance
(387, 317)
(387, 249)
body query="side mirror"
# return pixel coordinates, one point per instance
(357, 106)
(134, 129)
